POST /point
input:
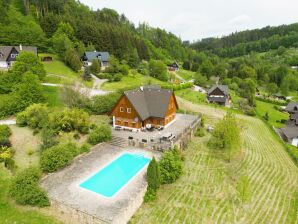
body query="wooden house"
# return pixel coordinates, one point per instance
(219, 94)
(9, 54)
(290, 131)
(149, 105)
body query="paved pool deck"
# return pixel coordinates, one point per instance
(88, 207)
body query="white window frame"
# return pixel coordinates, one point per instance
(14, 55)
(128, 110)
(121, 109)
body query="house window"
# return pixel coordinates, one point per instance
(121, 109)
(129, 110)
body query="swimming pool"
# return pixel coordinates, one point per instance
(113, 177)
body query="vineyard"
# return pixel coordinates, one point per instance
(207, 191)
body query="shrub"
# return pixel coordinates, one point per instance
(69, 120)
(85, 148)
(150, 195)
(103, 104)
(5, 133)
(95, 66)
(200, 133)
(35, 116)
(48, 138)
(100, 134)
(58, 157)
(25, 190)
(170, 166)
(153, 175)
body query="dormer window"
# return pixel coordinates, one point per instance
(14, 55)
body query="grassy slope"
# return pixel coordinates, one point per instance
(192, 96)
(52, 95)
(130, 81)
(206, 191)
(187, 75)
(274, 115)
(9, 213)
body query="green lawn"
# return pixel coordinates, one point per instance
(274, 115)
(187, 75)
(130, 81)
(206, 192)
(192, 96)
(52, 95)
(9, 213)
(57, 67)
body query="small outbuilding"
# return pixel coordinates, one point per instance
(219, 94)
(174, 67)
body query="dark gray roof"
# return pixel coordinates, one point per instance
(103, 56)
(291, 106)
(5, 51)
(223, 88)
(290, 131)
(150, 101)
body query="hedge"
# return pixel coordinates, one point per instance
(58, 157)
(25, 190)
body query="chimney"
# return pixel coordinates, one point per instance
(21, 48)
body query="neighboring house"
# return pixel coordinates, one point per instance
(174, 67)
(290, 132)
(219, 94)
(103, 57)
(149, 105)
(9, 54)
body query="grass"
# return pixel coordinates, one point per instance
(192, 96)
(57, 67)
(206, 192)
(23, 140)
(274, 114)
(130, 81)
(187, 75)
(10, 213)
(52, 95)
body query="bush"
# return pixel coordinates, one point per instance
(35, 116)
(100, 134)
(170, 166)
(48, 138)
(69, 120)
(25, 190)
(58, 157)
(5, 133)
(200, 133)
(95, 66)
(85, 148)
(153, 175)
(103, 104)
(150, 195)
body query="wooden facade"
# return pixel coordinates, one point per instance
(125, 115)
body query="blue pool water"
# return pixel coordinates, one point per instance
(109, 180)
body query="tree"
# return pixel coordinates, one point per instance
(266, 116)
(72, 59)
(247, 72)
(200, 79)
(158, 69)
(226, 134)
(186, 65)
(87, 75)
(272, 88)
(134, 60)
(95, 67)
(207, 68)
(28, 62)
(153, 175)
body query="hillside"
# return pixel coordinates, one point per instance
(245, 42)
(35, 22)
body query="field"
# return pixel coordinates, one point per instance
(206, 193)
(274, 115)
(10, 213)
(130, 81)
(192, 96)
(186, 75)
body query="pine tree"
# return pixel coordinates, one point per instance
(153, 175)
